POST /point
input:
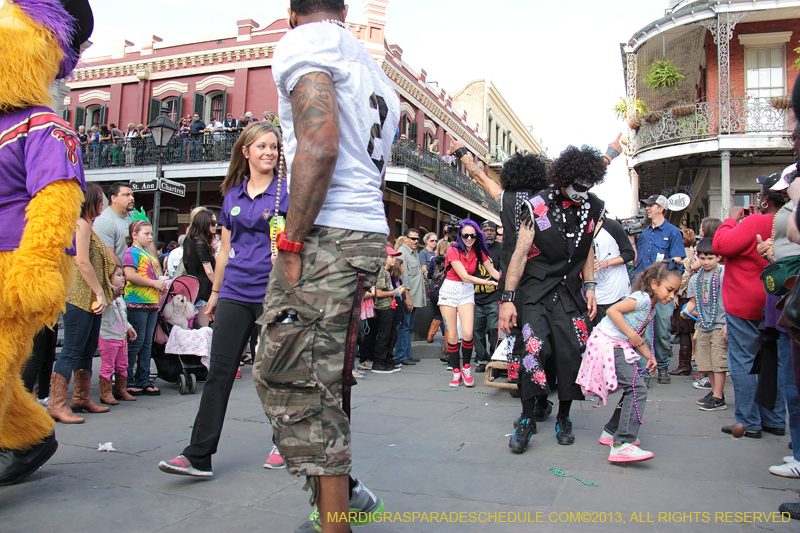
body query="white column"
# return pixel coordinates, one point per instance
(725, 180)
(634, 191)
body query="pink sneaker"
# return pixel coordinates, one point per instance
(274, 461)
(181, 466)
(627, 453)
(466, 371)
(456, 378)
(607, 439)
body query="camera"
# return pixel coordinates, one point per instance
(634, 225)
(452, 227)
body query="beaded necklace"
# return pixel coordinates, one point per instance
(277, 223)
(708, 311)
(583, 222)
(639, 332)
(334, 21)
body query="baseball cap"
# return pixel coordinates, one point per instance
(659, 199)
(786, 178)
(392, 251)
(768, 181)
(488, 224)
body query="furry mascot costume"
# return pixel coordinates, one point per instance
(41, 191)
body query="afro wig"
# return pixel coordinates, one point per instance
(524, 172)
(582, 165)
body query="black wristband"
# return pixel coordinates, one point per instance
(508, 296)
(461, 152)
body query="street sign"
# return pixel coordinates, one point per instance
(173, 187)
(144, 186)
(678, 202)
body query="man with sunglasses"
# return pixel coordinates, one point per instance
(414, 281)
(657, 242)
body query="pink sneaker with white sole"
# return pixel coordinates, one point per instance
(456, 378)
(466, 373)
(274, 461)
(607, 439)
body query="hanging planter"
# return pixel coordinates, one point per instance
(683, 110)
(635, 124)
(652, 118)
(663, 75)
(781, 102)
(621, 109)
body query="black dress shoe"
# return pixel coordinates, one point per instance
(415, 359)
(749, 434)
(16, 465)
(407, 362)
(793, 509)
(564, 431)
(775, 431)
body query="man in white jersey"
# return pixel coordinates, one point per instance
(338, 115)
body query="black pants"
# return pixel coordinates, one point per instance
(40, 363)
(233, 323)
(553, 339)
(385, 334)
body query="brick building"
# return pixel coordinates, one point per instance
(727, 121)
(233, 75)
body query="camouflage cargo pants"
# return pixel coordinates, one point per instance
(302, 348)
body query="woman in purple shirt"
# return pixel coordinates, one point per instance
(256, 198)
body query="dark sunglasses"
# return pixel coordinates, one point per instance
(469, 235)
(580, 188)
(413, 238)
(214, 222)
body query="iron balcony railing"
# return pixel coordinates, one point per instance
(408, 155)
(692, 122)
(217, 147)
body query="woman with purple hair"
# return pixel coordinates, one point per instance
(457, 296)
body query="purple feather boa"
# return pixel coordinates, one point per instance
(50, 14)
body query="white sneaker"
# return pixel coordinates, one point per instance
(466, 372)
(627, 453)
(702, 384)
(456, 379)
(788, 459)
(607, 439)
(790, 469)
(44, 402)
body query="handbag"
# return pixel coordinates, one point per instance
(790, 307)
(775, 274)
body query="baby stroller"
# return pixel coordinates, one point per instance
(185, 370)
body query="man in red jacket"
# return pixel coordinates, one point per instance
(744, 297)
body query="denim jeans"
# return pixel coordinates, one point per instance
(81, 334)
(624, 423)
(144, 322)
(485, 324)
(403, 347)
(661, 322)
(787, 385)
(742, 343)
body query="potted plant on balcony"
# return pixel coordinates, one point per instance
(640, 109)
(683, 110)
(781, 102)
(663, 75)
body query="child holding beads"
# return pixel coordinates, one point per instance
(616, 339)
(142, 290)
(706, 306)
(113, 349)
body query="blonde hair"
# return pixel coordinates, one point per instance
(193, 214)
(239, 168)
(442, 246)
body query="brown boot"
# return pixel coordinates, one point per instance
(433, 329)
(57, 408)
(105, 392)
(120, 388)
(80, 393)
(684, 367)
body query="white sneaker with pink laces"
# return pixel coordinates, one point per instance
(456, 378)
(466, 371)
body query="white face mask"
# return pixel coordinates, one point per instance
(576, 196)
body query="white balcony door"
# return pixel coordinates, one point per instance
(765, 77)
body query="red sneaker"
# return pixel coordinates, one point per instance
(456, 378)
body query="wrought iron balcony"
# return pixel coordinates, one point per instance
(693, 122)
(498, 157)
(405, 154)
(217, 147)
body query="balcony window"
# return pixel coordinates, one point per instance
(765, 71)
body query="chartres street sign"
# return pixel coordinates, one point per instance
(144, 186)
(173, 187)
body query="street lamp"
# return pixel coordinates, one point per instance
(162, 129)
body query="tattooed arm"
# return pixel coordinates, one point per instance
(475, 172)
(315, 112)
(508, 312)
(588, 275)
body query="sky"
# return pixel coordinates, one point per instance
(558, 64)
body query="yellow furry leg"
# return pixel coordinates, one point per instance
(23, 422)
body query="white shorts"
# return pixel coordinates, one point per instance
(456, 293)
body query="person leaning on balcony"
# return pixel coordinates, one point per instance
(119, 138)
(105, 144)
(434, 147)
(230, 125)
(196, 136)
(130, 135)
